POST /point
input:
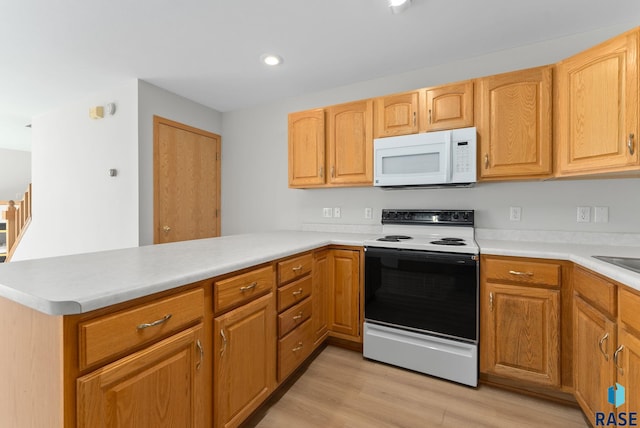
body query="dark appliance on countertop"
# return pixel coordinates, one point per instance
(421, 293)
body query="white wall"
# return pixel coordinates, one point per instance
(156, 101)
(255, 196)
(77, 206)
(15, 173)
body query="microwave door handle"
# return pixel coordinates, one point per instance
(448, 152)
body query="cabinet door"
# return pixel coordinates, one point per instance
(594, 339)
(598, 108)
(448, 107)
(521, 333)
(396, 114)
(627, 361)
(306, 148)
(513, 120)
(350, 143)
(344, 297)
(244, 360)
(161, 386)
(320, 296)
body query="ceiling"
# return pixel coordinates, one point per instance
(209, 50)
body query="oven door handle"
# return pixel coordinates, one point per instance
(440, 257)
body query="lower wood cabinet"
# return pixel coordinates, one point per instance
(160, 386)
(520, 326)
(244, 360)
(344, 294)
(594, 341)
(320, 297)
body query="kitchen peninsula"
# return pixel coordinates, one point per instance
(75, 326)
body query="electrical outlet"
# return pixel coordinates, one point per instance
(336, 212)
(368, 213)
(327, 212)
(584, 215)
(515, 213)
(601, 214)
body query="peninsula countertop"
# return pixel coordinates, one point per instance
(81, 283)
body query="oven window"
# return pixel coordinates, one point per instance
(408, 289)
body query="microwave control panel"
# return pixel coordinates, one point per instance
(463, 156)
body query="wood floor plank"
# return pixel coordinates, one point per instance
(340, 389)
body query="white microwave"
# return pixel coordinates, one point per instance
(431, 159)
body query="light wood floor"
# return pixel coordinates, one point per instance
(341, 389)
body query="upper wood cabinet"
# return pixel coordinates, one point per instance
(306, 148)
(513, 120)
(597, 109)
(350, 143)
(343, 156)
(396, 114)
(447, 107)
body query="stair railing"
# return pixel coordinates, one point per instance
(18, 217)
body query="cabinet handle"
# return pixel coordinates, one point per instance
(333, 171)
(486, 161)
(297, 293)
(321, 172)
(414, 118)
(296, 268)
(491, 301)
(518, 273)
(201, 350)
(602, 351)
(224, 342)
(249, 287)
(429, 116)
(615, 359)
(154, 323)
(297, 317)
(299, 347)
(630, 144)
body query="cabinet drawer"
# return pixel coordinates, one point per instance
(242, 288)
(294, 293)
(115, 333)
(629, 303)
(294, 348)
(600, 293)
(293, 317)
(291, 269)
(525, 272)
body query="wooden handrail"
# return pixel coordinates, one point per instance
(18, 218)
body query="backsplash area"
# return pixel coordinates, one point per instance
(548, 205)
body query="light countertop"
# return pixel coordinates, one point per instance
(85, 282)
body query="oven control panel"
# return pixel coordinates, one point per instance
(430, 217)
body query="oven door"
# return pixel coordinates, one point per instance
(424, 291)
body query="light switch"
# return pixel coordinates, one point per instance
(601, 214)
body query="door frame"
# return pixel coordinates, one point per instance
(157, 121)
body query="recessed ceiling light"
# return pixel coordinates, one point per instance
(271, 59)
(397, 6)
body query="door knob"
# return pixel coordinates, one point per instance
(166, 229)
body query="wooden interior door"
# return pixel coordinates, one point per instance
(186, 182)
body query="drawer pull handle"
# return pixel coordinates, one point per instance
(515, 272)
(297, 293)
(249, 287)
(201, 350)
(296, 268)
(298, 348)
(615, 359)
(224, 342)
(299, 316)
(630, 144)
(154, 323)
(491, 301)
(600, 343)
